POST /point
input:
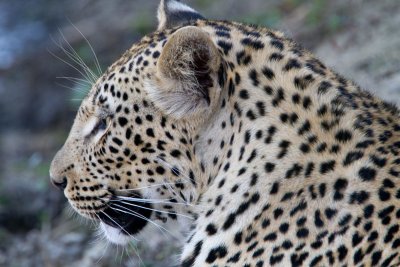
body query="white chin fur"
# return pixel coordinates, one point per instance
(114, 235)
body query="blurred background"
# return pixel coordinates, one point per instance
(358, 38)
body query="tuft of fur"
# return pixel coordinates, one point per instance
(172, 13)
(186, 73)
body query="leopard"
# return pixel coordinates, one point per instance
(243, 140)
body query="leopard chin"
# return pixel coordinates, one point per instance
(123, 219)
(114, 235)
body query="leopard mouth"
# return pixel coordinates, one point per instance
(127, 216)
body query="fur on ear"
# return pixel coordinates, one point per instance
(187, 74)
(173, 13)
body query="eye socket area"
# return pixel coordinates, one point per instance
(98, 129)
(101, 125)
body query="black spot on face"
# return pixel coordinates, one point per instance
(253, 75)
(216, 253)
(327, 166)
(324, 87)
(122, 121)
(342, 253)
(188, 262)
(277, 44)
(244, 94)
(339, 187)
(274, 188)
(276, 57)
(138, 140)
(150, 132)
(352, 156)
(343, 136)
(225, 46)
(367, 173)
(238, 238)
(359, 197)
(269, 167)
(292, 64)
(117, 141)
(175, 153)
(268, 73)
(330, 213)
(156, 54)
(255, 44)
(211, 229)
(243, 58)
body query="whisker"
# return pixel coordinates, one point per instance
(73, 58)
(142, 200)
(91, 48)
(76, 80)
(69, 64)
(186, 178)
(105, 248)
(172, 191)
(136, 250)
(148, 200)
(145, 187)
(134, 247)
(130, 212)
(125, 253)
(76, 87)
(98, 236)
(78, 90)
(161, 211)
(154, 201)
(116, 255)
(73, 55)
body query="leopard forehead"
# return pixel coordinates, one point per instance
(280, 160)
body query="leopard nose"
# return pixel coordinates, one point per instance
(60, 184)
(59, 171)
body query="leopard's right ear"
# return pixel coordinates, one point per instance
(189, 74)
(173, 13)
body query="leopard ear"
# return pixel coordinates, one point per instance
(173, 13)
(188, 74)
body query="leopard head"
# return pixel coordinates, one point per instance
(130, 157)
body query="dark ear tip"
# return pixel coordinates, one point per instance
(173, 13)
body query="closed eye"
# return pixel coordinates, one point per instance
(98, 129)
(100, 126)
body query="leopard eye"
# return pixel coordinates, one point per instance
(100, 126)
(99, 129)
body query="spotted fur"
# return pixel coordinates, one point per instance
(279, 160)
